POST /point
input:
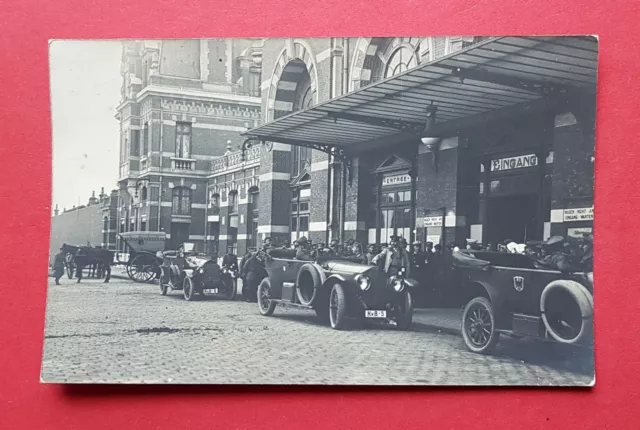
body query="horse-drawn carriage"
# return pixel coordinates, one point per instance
(142, 262)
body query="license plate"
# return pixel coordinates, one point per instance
(211, 291)
(375, 314)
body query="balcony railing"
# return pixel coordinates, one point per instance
(234, 159)
(183, 164)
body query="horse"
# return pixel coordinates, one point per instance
(86, 256)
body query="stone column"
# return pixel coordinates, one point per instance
(274, 186)
(320, 191)
(244, 220)
(355, 200)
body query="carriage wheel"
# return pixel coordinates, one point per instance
(143, 268)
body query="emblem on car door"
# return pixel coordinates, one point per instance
(518, 283)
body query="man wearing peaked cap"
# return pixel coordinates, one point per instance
(394, 257)
(303, 249)
(473, 244)
(557, 259)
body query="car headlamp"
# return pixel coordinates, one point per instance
(398, 284)
(364, 283)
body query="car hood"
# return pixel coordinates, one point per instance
(197, 261)
(340, 266)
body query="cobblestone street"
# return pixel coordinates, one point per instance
(126, 332)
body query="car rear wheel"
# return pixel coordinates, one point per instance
(479, 327)
(188, 289)
(265, 304)
(404, 311)
(338, 308)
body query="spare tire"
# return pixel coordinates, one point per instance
(567, 312)
(307, 284)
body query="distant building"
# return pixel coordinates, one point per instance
(94, 224)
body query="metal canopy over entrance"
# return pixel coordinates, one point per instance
(502, 75)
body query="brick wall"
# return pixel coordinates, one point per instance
(180, 58)
(437, 189)
(76, 227)
(573, 169)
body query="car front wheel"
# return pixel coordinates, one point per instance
(479, 327)
(404, 311)
(338, 308)
(232, 288)
(265, 304)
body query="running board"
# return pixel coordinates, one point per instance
(291, 304)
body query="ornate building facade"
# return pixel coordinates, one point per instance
(303, 192)
(184, 104)
(516, 163)
(187, 104)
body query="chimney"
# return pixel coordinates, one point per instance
(102, 195)
(93, 200)
(56, 211)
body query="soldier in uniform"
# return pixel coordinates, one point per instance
(556, 259)
(371, 253)
(250, 273)
(349, 248)
(586, 262)
(58, 266)
(418, 258)
(428, 248)
(394, 258)
(303, 252)
(334, 247)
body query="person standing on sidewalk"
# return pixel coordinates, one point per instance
(395, 257)
(58, 266)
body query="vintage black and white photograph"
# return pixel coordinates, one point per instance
(323, 211)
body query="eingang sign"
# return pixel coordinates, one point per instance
(510, 163)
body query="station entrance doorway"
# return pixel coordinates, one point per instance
(513, 218)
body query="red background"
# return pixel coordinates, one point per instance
(25, 160)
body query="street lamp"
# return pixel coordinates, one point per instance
(428, 137)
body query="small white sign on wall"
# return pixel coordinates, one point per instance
(433, 221)
(578, 214)
(396, 180)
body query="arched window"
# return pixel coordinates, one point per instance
(303, 100)
(400, 61)
(181, 201)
